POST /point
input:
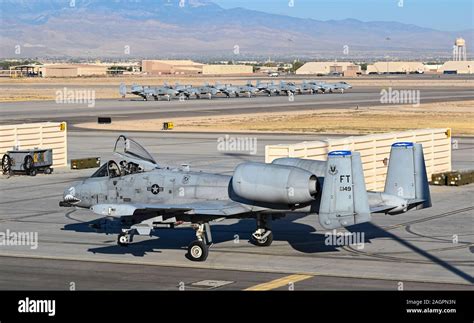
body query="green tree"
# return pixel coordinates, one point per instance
(296, 66)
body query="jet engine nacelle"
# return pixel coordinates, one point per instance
(270, 183)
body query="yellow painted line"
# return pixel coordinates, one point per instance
(279, 282)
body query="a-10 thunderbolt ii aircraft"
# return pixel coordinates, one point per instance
(309, 87)
(268, 88)
(282, 88)
(147, 92)
(248, 89)
(152, 196)
(331, 87)
(187, 91)
(208, 90)
(230, 90)
(288, 88)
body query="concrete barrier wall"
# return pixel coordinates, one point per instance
(374, 150)
(41, 135)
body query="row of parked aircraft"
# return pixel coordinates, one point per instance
(228, 90)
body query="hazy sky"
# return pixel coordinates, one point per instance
(438, 14)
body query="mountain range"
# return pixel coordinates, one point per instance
(200, 28)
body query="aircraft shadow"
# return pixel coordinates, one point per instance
(301, 237)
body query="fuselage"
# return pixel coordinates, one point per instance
(157, 186)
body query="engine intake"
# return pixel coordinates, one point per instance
(270, 183)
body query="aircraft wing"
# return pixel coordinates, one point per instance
(205, 208)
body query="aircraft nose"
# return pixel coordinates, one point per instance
(70, 196)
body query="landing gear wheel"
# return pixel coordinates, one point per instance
(198, 251)
(123, 239)
(265, 242)
(6, 164)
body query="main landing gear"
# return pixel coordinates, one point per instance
(198, 250)
(126, 237)
(263, 236)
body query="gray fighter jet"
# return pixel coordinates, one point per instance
(236, 91)
(307, 87)
(333, 87)
(147, 92)
(187, 91)
(152, 195)
(288, 88)
(268, 88)
(208, 90)
(248, 89)
(228, 90)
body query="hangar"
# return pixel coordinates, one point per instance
(171, 67)
(395, 67)
(457, 67)
(226, 69)
(159, 67)
(327, 68)
(72, 70)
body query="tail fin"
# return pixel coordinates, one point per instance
(344, 199)
(123, 89)
(406, 175)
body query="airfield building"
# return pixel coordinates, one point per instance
(325, 68)
(457, 67)
(159, 67)
(227, 69)
(72, 70)
(395, 67)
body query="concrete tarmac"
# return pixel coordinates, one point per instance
(133, 108)
(426, 249)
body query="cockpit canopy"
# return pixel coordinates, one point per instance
(134, 159)
(130, 150)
